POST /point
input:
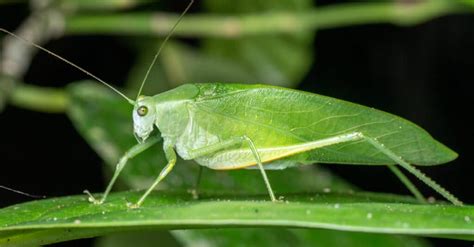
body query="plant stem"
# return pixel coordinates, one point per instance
(42, 99)
(206, 25)
(99, 5)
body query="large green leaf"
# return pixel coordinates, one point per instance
(73, 217)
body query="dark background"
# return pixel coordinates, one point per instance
(422, 73)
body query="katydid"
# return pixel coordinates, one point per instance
(235, 126)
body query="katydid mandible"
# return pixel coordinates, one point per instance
(235, 126)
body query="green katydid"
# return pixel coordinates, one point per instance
(234, 126)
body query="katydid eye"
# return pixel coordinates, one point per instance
(142, 110)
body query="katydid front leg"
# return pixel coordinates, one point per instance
(132, 152)
(171, 157)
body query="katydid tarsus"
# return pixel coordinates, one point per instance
(235, 126)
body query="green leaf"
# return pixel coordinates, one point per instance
(257, 237)
(275, 59)
(180, 63)
(292, 237)
(143, 238)
(59, 219)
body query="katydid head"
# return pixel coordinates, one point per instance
(144, 115)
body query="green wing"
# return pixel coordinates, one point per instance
(274, 117)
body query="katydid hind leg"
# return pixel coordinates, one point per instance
(354, 136)
(260, 166)
(397, 159)
(195, 190)
(420, 175)
(132, 152)
(410, 186)
(171, 157)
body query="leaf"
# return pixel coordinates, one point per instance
(180, 63)
(275, 59)
(258, 236)
(7, 83)
(292, 237)
(72, 217)
(143, 238)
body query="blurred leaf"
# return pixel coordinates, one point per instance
(179, 64)
(276, 59)
(291, 237)
(6, 85)
(143, 238)
(72, 217)
(258, 237)
(468, 2)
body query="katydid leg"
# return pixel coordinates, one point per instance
(171, 157)
(132, 152)
(260, 166)
(194, 191)
(427, 180)
(397, 159)
(410, 186)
